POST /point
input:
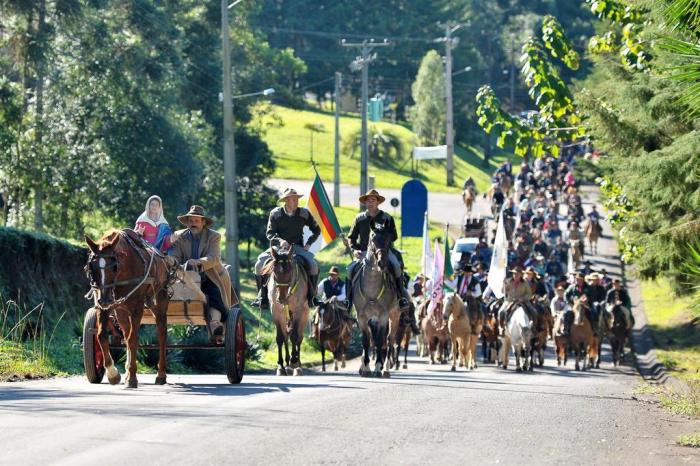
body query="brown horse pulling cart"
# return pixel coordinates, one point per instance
(186, 306)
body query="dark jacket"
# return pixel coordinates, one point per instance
(290, 228)
(359, 232)
(621, 295)
(595, 293)
(574, 292)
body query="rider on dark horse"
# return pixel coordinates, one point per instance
(285, 228)
(374, 218)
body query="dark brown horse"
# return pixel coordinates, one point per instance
(125, 275)
(490, 342)
(335, 332)
(618, 334)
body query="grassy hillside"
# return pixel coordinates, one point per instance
(676, 335)
(290, 142)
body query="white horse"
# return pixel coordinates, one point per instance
(517, 336)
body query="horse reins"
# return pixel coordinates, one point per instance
(102, 264)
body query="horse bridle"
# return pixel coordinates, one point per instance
(103, 287)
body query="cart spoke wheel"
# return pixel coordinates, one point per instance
(235, 345)
(93, 359)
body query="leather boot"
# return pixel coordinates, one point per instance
(404, 302)
(348, 294)
(313, 285)
(261, 300)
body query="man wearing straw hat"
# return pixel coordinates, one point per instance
(516, 291)
(374, 217)
(198, 246)
(285, 228)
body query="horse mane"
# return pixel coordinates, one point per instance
(109, 239)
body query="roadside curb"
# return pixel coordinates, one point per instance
(642, 340)
(646, 359)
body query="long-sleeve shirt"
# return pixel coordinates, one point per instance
(290, 228)
(359, 232)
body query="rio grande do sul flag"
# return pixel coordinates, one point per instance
(322, 210)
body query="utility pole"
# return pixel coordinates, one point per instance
(230, 184)
(362, 62)
(449, 132)
(336, 159)
(512, 75)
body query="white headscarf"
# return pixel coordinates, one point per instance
(145, 218)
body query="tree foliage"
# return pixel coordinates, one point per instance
(428, 114)
(129, 108)
(556, 120)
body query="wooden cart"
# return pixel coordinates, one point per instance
(186, 307)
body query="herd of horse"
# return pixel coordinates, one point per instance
(449, 329)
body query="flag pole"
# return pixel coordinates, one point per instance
(342, 233)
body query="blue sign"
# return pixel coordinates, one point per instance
(414, 204)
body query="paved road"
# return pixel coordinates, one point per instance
(425, 414)
(442, 207)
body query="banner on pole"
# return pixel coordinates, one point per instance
(430, 153)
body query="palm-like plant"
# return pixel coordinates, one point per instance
(682, 17)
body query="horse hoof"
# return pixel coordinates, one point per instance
(531, 369)
(324, 369)
(431, 362)
(115, 380)
(518, 369)
(289, 371)
(298, 372)
(132, 383)
(160, 380)
(405, 366)
(281, 371)
(385, 375)
(342, 364)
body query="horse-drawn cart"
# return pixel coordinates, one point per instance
(187, 306)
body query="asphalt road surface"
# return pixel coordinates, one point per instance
(423, 415)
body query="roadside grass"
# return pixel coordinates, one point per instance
(676, 336)
(685, 404)
(32, 346)
(290, 142)
(690, 440)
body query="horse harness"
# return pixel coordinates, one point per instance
(356, 277)
(146, 279)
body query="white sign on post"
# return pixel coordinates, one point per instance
(428, 153)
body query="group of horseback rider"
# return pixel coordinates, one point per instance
(285, 229)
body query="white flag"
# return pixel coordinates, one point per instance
(437, 277)
(499, 259)
(427, 259)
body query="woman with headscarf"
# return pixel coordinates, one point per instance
(153, 226)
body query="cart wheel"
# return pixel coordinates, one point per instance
(235, 345)
(92, 352)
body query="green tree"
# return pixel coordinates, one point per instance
(428, 114)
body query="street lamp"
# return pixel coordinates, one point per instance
(264, 92)
(465, 70)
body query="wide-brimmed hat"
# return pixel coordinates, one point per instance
(289, 192)
(593, 276)
(196, 211)
(334, 270)
(517, 269)
(372, 192)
